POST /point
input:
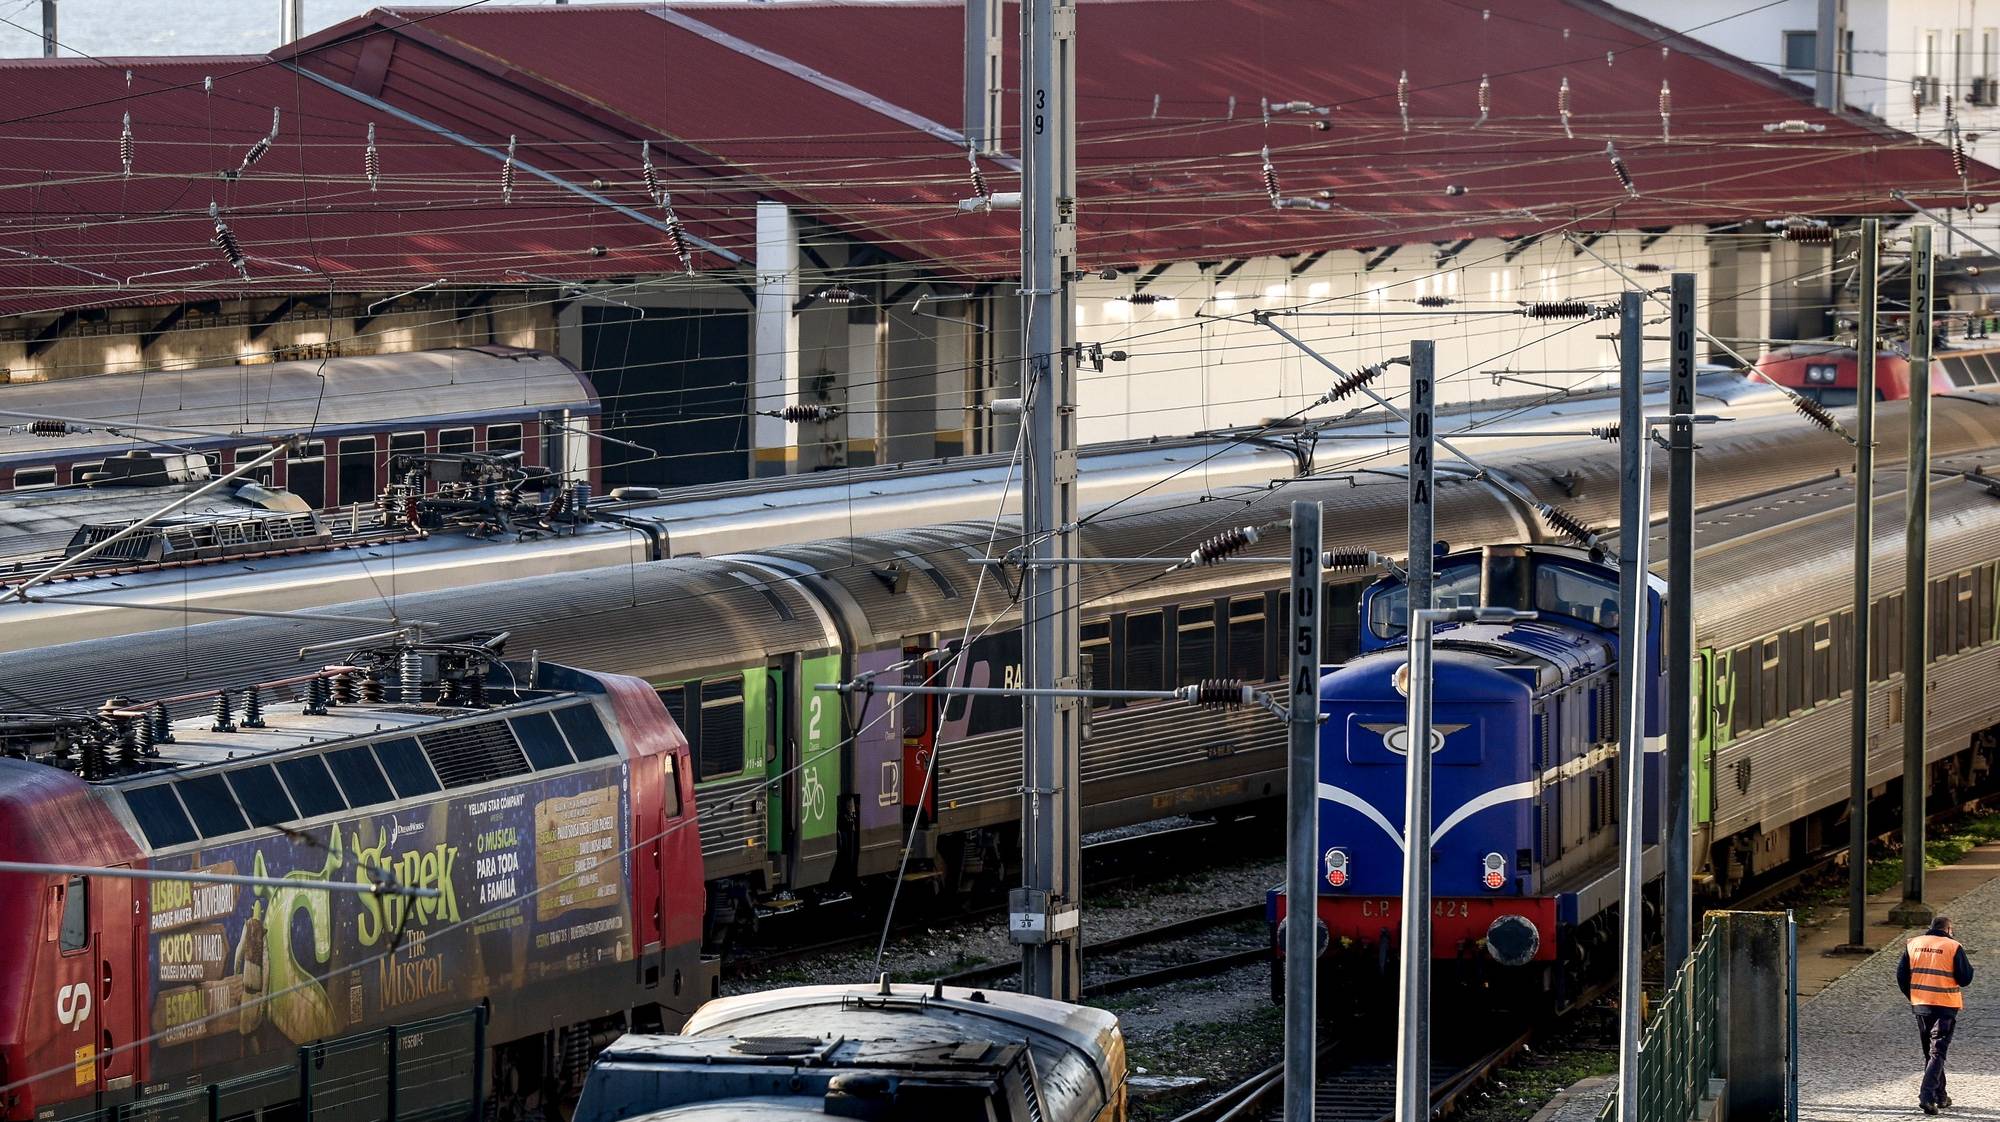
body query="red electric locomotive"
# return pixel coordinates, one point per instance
(1827, 374)
(550, 810)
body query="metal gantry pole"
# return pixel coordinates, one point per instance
(1635, 503)
(291, 20)
(1916, 582)
(1866, 347)
(1044, 912)
(1302, 811)
(49, 28)
(1677, 882)
(1413, 1006)
(984, 88)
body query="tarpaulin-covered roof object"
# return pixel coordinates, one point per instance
(1428, 121)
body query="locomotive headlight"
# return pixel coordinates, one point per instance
(1820, 373)
(1494, 871)
(1336, 868)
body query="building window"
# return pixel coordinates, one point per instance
(1982, 91)
(1801, 52)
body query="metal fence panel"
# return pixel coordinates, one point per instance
(1680, 1050)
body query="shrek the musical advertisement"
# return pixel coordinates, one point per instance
(239, 969)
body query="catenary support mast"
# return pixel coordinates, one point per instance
(1044, 913)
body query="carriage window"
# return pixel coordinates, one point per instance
(1961, 612)
(1982, 611)
(1000, 653)
(160, 816)
(1770, 682)
(76, 915)
(455, 440)
(311, 786)
(403, 447)
(721, 728)
(262, 473)
(1339, 622)
(503, 438)
(1793, 666)
(1743, 707)
(30, 478)
(1095, 645)
(81, 473)
(356, 479)
(1939, 605)
(1194, 644)
(305, 474)
(1246, 639)
(675, 698)
(1145, 655)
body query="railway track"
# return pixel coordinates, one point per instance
(1107, 862)
(1357, 1091)
(1190, 948)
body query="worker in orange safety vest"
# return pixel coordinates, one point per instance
(1933, 974)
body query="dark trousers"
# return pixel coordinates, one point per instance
(1934, 1027)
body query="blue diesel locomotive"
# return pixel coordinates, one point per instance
(1524, 745)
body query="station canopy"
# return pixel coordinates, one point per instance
(1434, 121)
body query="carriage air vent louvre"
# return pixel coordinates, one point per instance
(469, 754)
(1031, 1090)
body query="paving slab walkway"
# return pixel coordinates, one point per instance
(1859, 1060)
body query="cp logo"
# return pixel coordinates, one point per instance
(73, 1004)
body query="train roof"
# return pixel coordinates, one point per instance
(793, 1052)
(324, 396)
(284, 763)
(36, 524)
(684, 617)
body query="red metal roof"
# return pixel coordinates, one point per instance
(1179, 177)
(74, 225)
(847, 110)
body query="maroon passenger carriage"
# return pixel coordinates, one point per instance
(355, 413)
(551, 809)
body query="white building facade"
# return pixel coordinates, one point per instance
(1902, 59)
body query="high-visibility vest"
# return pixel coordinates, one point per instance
(1932, 979)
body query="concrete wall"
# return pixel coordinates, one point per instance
(1187, 371)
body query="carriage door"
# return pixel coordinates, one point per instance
(118, 970)
(821, 758)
